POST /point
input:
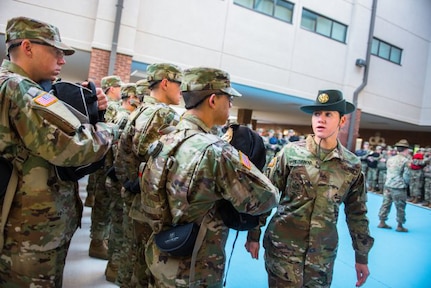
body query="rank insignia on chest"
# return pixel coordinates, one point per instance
(45, 99)
(244, 160)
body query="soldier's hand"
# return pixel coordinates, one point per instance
(362, 273)
(253, 248)
(102, 99)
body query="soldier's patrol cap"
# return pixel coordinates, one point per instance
(402, 143)
(128, 90)
(111, 81)
(329, 100)
(21, 28)
(201, 82)
(142, 86)
(159, 71)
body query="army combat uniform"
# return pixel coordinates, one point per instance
(46, 211)
(219, 173)
(301, 239)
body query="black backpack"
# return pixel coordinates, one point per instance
(251, 144)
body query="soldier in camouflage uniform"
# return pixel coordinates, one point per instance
(160, 89)
(395, 190)
(416, 182)
(218, 170)
(427, 178)
(111, 86)
(316, 176)
(129, 102)
(100, 219)
(45, 211)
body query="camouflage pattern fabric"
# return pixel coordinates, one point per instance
(111, 81)
(45, 211)
(301, 238)
(395, 190)
(217, 173)
(141, 130)
(427, 182)
(115, 209)
(159, 71)
(416, 182)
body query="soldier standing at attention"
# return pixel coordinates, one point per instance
(145, 125)
(100, 219)
(129, 102)
(316, 176)
(45, 211)
(206, 169)
(395, 189)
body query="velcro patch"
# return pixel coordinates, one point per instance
(244, 160)
(45, 99)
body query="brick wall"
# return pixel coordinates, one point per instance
(99, 65)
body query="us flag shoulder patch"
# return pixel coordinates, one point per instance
(45, 99)
(244, 160)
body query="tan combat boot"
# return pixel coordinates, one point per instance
(400, 228)
(98, 249)
(89, 201)
(111, 272)
(414, 200)
(383, 224)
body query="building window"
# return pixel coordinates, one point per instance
(386, 51)
(280, 9)
(323, 26)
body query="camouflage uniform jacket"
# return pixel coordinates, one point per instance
(112, 110)
(45, 210)
(397, 173)
(203, 177)
(312, 190)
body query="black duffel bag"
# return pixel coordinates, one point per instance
(5, 174)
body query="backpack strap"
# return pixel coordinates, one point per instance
(10, 193)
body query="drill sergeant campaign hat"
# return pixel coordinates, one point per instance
(159, 71)
(38, 32)
(402, 143)
(329, 100)
(127, 90)
(111, 81)
(201, 82)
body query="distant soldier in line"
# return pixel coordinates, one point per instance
(417, 176)
(395, 190)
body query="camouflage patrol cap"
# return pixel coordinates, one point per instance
(201, 82)
(329, 100)
(21, 28)
(128, 90)
(143, 87)
(159, 71)
(111, 81)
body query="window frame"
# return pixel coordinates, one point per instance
(285, 4)
(392, 50)
(316, 28)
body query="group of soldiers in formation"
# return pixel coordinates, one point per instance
(374, 167)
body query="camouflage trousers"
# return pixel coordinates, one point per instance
(372, 178)
(26, 268)
(116, 215)
(100, 219)
(398, 197)
(300, 270)
(381, 179)
(128, 249)
(427, 189)
(416, 183)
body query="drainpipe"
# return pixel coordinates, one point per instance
(365, 78)
(113, 56)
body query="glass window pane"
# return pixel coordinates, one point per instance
(375, 47)
(308, 20)
(283, 11)
(265, 6)
(396, 55)
(339, 32)
(245, 3)
(384, 50)
(324, 26)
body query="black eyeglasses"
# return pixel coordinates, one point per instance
(58, 53)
